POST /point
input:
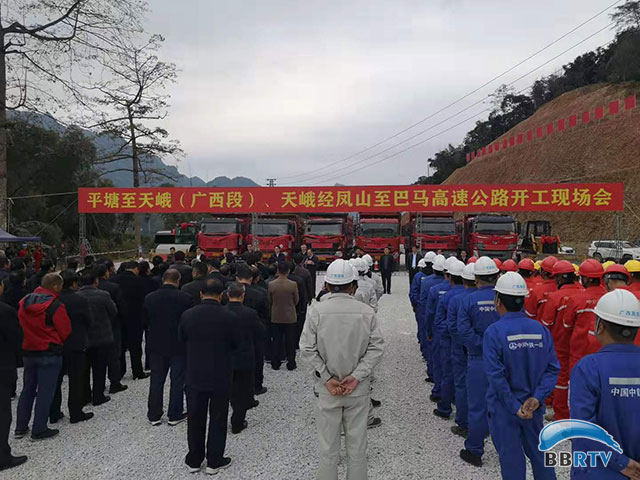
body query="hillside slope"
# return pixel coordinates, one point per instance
(607, 150)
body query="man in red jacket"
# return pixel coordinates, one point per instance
(46, 326)
(574, 326)
(565, 277)
(534, 303)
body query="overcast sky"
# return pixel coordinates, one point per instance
(276, 88)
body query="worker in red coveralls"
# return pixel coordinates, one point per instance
(564, 275)
(527, 270)
(577, 324)
(37, 258)
(534, 303)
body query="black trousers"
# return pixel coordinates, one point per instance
(6, 390)
(160, 366)
(412, 273)
(241, 395)
(216, 406)
(302, 316)
(133, 343)
(74, 366)
(113, 363)
(284, 332)
(386, 281)
(97, 358)
(259, 350)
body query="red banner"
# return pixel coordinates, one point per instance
(567, 197)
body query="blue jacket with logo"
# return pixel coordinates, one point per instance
(605, 390)
(452, 313)
(520, 362)
(414, 291)
(476, 313)
(442, 310)
(435, 293)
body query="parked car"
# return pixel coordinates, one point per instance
(615, 250)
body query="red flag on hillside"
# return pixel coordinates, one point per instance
(473, 155)
(573, 121)
(490, 149)
(496, 146)
(530, 136)
(549, 128)
(586, 117)
(599, 113)
(614, 108)
(484, 150)
(539, 132)
(630, 103)
(520, 139)
(562, 124)
(505, 144)
(468, 157)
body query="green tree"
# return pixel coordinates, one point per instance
(627, 16)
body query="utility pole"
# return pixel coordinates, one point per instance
(271, 182)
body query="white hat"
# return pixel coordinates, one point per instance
(456, 268)
(620, 307)
(422, 263)
(449, 262)
(430, 256)
(468, 272)
(486, 266)
(511, 283)
(367, 258)
(360, 265)
(340, 272)
(438, 263)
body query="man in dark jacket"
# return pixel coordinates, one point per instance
(44, 321)
(303, 293)
(162, 311)
(300, 271)
(73, 352)
(386, 265)
(133, 293)
(214, 271)
(194, 287)
(412, 261)
(210, 339)
(103, 311)
(256, 298)
(248, 326)
(114, 370)
(10, 343)
(184, 269)
(277, 255)
(311, 263)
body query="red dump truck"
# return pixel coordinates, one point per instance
(329, 236)
(375, 232)
(276, 230)
(434, 231)
(218, 233)
(495, 236)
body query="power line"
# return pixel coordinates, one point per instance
(320, 177)
(456, 101)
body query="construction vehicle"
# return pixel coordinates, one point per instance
(270, 231)
(377, 231)
(537, 238)
(329, 236)
(436, 232)
(220, 232)
(183, 238)
(495, 236)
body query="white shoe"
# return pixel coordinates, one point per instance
(173, 423)
(213, 471)
(155, 423)
(194, 469)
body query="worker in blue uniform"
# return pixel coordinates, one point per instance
(459, 354)
(425, 287)
(434, 307)
(443, 338)
(522, 369)
(605, 388)
(475, 314)
(426, 270)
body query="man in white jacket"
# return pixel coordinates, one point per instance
(342, 343)
(365, 292)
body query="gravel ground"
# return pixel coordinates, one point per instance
(280, 442)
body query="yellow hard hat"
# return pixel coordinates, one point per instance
(633, 266)
(607, 264)
(575, 267)
(537, 264)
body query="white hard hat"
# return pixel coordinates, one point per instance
(449, 262)
(361, 265)
(620, 307)
(429, 257)
(486, 266)
(340, 272)
(468, 272)
(456, 268)
(511, 283)
(367, 258)
(422, 263)
(438, 263)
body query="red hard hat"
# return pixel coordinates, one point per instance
(527, 264)
(498, 262)
(472, 260)
(562, 267)
(548, 263)
(616, 268)
(509, 266)
(591, 268)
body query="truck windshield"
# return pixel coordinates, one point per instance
(164, 238)
(497, 228)
(385, 230)
(270, 229)
(324, 229)
(212, 228)
(437, 228)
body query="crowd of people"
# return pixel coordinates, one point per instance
(504, 340)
